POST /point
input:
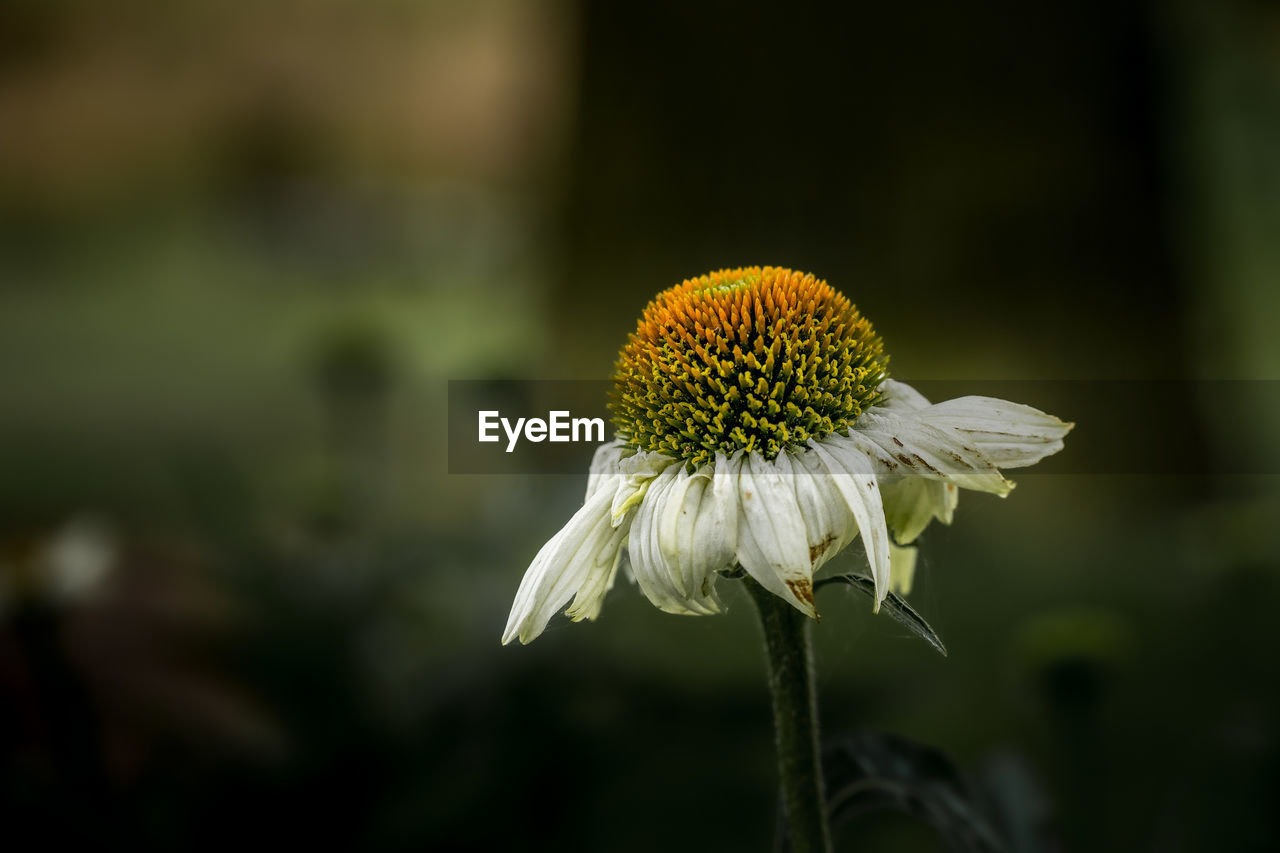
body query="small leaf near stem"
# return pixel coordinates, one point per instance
(895, 604)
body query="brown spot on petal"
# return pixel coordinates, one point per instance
(816, 551)
(803, 590)
(906, 460)
(895, 441)
(746, 496)
(925, 464)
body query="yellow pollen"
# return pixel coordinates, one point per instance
(754, 359)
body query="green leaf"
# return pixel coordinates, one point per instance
(894, 604)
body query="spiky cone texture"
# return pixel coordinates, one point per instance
(756, 426)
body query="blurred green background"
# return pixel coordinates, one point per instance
(243, 248)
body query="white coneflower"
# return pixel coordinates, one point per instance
(756, 426)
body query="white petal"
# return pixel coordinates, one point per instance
(899, 397)
(690, 541)
(590, 598)
(910, 503)
(604, 466)
(1011, 435)
(772, 544)
(645, 464)
(853, 474)
(657, 524)
(675, 525)
(904, 568)
(709, 544)
(636, 473)
(829, 525)
(909, 446)
(574, 559)
(701, 547)
(724, 488)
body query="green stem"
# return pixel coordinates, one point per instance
(795, 719)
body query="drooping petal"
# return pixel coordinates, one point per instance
(899, 397)
(590, 598)
(701, 547)
(909, 446)
(706, 532)
(691, 543)
(903, 560)
(643, 550)
(829, 525)
(1011, 435)
(576, 558)
(604, 466)
(853, 474)
(676, 519)
(654, 535)
(772, 544)
(724, 489)
(980, 432)
(910, 503)
(636, 474)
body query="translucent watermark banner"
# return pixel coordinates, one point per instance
(1160, 427)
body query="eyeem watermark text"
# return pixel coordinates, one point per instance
(558, 427)
(538, 435)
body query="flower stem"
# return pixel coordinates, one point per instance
(795, 719)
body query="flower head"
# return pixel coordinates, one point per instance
(745, 359)
(757, 426)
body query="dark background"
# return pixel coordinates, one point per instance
(244, 247)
